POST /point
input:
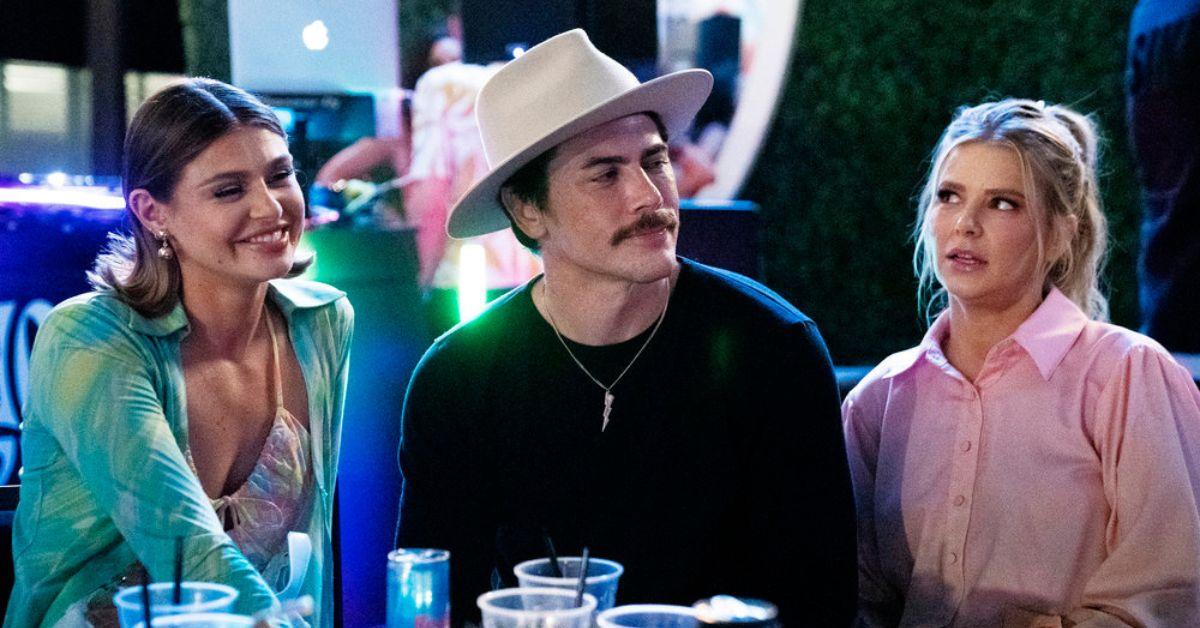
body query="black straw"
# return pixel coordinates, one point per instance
(177, 592)
(555, 568)
(583, 569)
(146, 596)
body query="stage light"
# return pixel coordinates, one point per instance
(25, 178)
(315, 36)
(56, 179)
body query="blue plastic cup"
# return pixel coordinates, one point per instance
(602, 577)
(648, 616)
(196, 597)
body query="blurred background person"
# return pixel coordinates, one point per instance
(437, 159)
(1163, 107)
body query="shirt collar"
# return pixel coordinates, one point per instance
(1046, 336)
(1051, 331)
(288, 295)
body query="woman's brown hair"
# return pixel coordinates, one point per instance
(168, 131)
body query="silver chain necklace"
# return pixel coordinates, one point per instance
(608, 396)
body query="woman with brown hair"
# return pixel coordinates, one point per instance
(197, 393)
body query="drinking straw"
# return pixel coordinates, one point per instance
(146, 595)
(583, 569)
(177, 592)
(555, 568)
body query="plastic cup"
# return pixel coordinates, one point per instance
(535, 608)
(200, 620)
(648, 616)
(601, 579)
(197, 597)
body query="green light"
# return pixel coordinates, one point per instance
(304, 249)
(472, 281)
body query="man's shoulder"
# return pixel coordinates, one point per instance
(728, 294)
(473, 341)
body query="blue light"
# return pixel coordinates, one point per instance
(287, 117)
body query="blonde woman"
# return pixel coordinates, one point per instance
(197, 392)
(1028, 464)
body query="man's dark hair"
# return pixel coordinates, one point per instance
(531, 183)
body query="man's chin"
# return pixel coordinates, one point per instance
(661, 265)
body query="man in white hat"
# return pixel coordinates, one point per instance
(676, 418)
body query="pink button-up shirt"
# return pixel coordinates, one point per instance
(1060, 489)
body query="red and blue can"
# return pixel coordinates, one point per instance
(418, 588)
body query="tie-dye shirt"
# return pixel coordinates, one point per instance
(105, 482)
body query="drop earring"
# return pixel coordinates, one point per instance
(164, 245)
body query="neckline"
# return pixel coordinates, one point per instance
(525, 293)
(281, 415)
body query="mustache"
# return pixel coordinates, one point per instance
(653, 221)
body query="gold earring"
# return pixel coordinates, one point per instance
(164, 245)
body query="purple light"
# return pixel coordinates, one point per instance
(91, 197)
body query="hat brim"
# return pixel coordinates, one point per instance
(676, 98)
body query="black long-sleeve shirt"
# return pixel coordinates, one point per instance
(722, 470)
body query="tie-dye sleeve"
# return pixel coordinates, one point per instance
(95, 392)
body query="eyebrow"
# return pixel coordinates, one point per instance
(655, 149)
(1004, 192)
(282, 160)
(989, 191)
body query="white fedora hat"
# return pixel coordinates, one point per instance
(555, 91)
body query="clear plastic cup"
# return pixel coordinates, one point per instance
(648, 616)
(601, 579)
(200, 620)
(197, 597)
(535, 608)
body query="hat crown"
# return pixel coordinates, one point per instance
(543, 90)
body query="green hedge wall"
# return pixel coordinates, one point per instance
(872, 85)
(205, 25)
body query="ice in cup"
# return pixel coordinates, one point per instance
(648, 616)
(602, 577)
(535, 608)
(196, 597)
